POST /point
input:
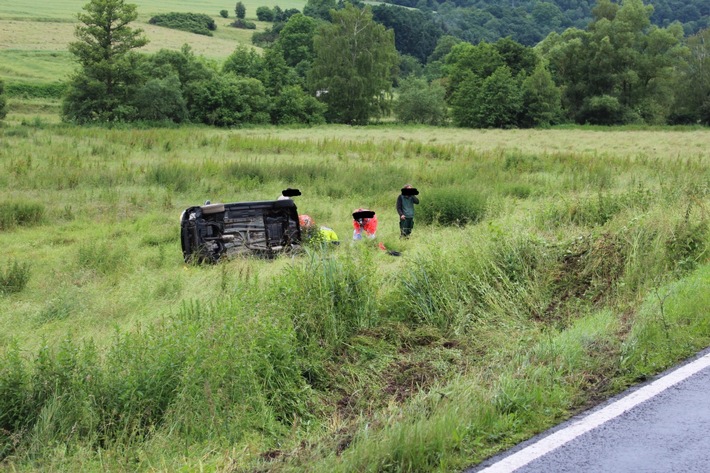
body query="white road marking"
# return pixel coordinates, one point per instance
(595, 419)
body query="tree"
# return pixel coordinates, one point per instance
(621, 70)
(162, 67)
(435, 61)
(245, 62)
(108, 71)
(3, 101)
(319, 9)
(296, 39)
(228, 101)
(240, 10)
(421, 102)
(541, 99)
(264, 14)
(352, 70)
(293, 105)
(161, 99)
(276, 74)
(692, 98)
(415, 32)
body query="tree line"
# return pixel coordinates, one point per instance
(529, 21)
(345, 63)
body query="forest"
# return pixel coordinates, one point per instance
(410, 65)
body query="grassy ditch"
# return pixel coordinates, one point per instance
(535, 284)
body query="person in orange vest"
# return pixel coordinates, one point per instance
(364, 220)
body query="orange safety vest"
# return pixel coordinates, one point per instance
(368, 224)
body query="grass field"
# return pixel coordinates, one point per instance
(34, 36)
(583, 268)
(66, 10)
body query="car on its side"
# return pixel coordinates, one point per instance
(211, 232)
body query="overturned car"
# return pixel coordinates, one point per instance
(211, 232)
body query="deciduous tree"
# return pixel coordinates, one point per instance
(296, 39)
(319, 9)
(353, 67)
(620, 70)
(240, 10)
(692, 102)
(421, 102)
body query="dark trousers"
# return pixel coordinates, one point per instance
(405, 226)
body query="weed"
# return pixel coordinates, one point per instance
(452, 207)
(688, 243)
(23, 214)
(175, 176)
(15, 277)
(58, 308)
(103, 257)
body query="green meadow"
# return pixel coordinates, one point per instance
(35, 35)
(66, 10)
(548, 270)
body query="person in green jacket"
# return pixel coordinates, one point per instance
(405, 209)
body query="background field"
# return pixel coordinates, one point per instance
(66, 10)
(34, 35)
(583, 268)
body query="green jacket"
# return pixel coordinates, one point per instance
(405, 205)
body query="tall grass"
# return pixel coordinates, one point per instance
(572, 275)
(14, 214)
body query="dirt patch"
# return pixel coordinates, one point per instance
(405, 378)
(587, 271)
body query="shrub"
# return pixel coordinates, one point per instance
(14, 214)
(27, 90)
(224, 13)
(197, 23)
(243, 24)
(3, 101)
(14, 278)
(601, 110)
(265, 14)
(174, 176)
(452, 207)
(687, 245)
(230, 101)
(161, 99)
(420, 102)
(295, 106)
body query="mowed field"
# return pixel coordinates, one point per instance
(66, 10)
(34, 35)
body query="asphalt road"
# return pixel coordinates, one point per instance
(662, 426)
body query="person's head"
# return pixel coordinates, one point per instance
(306, 221)
(409, 191)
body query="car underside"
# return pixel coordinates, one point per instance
(214, 231)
